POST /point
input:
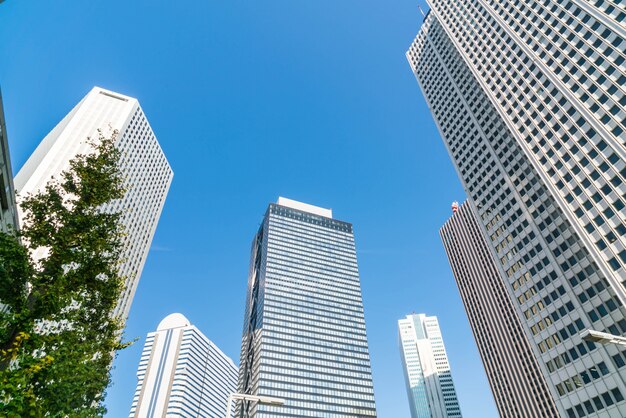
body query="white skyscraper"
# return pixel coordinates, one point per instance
(182, 373)
(530, 100)
(426, 370)
(143, 164)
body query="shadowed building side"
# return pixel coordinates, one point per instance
(8, 207)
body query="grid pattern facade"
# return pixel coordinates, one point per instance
(304, 336)
(516, 381)
(182, 373)
(545, 171)
(8, 208)
(143, 164)
(426, 369)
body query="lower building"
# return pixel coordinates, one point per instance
(518, 387)
(182, 373)
(426, 369)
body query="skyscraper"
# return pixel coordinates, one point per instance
(147, 172)
(8, 209)
(530, 100)
(182, 373)
(426, 369)
(304, 336)
(518, 386)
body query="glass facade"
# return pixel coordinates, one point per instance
(427, 373)
(304, 336)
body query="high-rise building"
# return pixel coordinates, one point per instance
(530, 99)
(8, 208)
(426, 369)
(519, 388)
(143, 164)
(182, 373)
(304, 336)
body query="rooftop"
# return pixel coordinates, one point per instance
(305, 207)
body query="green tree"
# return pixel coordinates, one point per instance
(58, 334)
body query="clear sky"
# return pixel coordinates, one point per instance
(309, 99)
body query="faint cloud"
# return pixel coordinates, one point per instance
(373, 251)
(160, 249)
(386, 251)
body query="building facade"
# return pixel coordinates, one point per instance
(304, 336)
(182, 373)
(8, 208)
(530, 99)
(429, 384)
(147, 173)
(516, 381)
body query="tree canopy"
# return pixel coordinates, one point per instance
(59, 284)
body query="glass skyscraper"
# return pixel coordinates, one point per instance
(304, 336)
(530, 99)
(426, 369)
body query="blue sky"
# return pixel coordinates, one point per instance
(312, 100)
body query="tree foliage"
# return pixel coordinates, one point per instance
(59, 284)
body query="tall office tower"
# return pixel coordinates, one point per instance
(8, 208)
(518, 386)
(530, 99)
(304, 334)
(426, 369)
(182, 373)
(147, 172)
